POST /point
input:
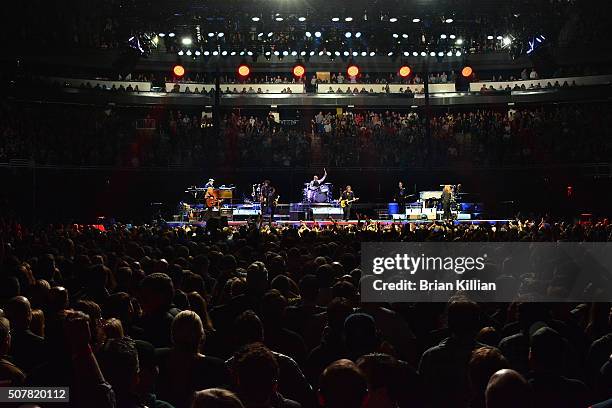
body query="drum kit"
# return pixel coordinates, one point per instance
(318, 195)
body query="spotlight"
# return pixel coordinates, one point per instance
(358, 34)
(348, 34)
(432, 54)
(162, 35)
(364, 53)
(489, 37)
(244, 70)
(337, 53)
(186, 41)
(312, 53)
(318, 34)
(335, 19)
(255, 19)
(211, 35)
(321, 53)
(270, 34)
(406, 54)
(171, 35)
(294, 53)
(299, 70)
(448, 20)
(423, 54)
(440, 54)
(415, 54)
(372, 53)
(260, 35)
(467, 72)
(452, 36)
(499, 37)
(198, 53)
(277, 53)
(220, 35)
(449, 54)
(285, 53)
(393, 20)
(178, 71)
(250, 53)
(507, 41)
(346, 53)
(416, 20)
(458, 53)
(224, 53)
(352, 70)
(348, 19)
(404, 35)
(355, 53)
(302, 19)
(395, 35)
(303, 53)
(233, 53)
(188, 53)
(390, 54)
(443, 36)
(404, 71)
(278, 19)
(181, 52)
(459, 41)
(206, 53)
(308, 34)
(215, 53)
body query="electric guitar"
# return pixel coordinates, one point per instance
(344, 203)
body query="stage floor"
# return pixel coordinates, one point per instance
(342, 223)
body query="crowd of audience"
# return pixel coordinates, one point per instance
(271, 317)
(137, 137)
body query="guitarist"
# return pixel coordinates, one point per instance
(268, 199)
(346, 202)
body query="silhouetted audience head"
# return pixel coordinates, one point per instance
(547, 350)
(216, 398)
(507, 389)
(342, 385)
(463, 318)
(156, 293)
(384, 376)
(484, 362)
(256, 371)
(19, 313)
(119, 364)
(187, 332)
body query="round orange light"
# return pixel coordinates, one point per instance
(353, 70)
(178, 70)
(467, 72)
(299, 71)
(244, 70)
(404, 71)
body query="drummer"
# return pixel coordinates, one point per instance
(210, 183)
(314, 186)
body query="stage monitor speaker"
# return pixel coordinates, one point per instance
(324, 213)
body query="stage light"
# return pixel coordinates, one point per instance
(181, 52)
(364, 53)
(270, 34)
(489, 37)
(348, 34)
(395, 35)
(355, 53)
(171, 35)
(416, 20)
(299, 70)
(255, 19)
(449, 54)
(260, 35)
(302, 19)
(443, 36)
(352, 70)
(244, 70)
(278, 19)
(467, 72)
(328, 53)
(404, 35)
(294, 53)
(372, 53)
(277, 53)
(348, 19)
(449, 20)
(507, 41)
(499, 37)
(335, 19)
(318, 34)
(186, 41)
(312, 53)
(406, 54)
(224, 53)
(162, 35)
(308, 34)
(285, 53)
(242, 53)
(233, 53)
(198, 53)
(423, 54)
(303, 53)
(415, 54)
(188, 53)
(390, 54)
(178, 71)
(346, 53)
(337, 53)
(459, 41)
(432, 54)
(440, 54)
(220, 35)
(215, 53)
(452, 36)
(358, 34)
(211, 35)
(206, 53)
(393, 20)
(404, 71)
